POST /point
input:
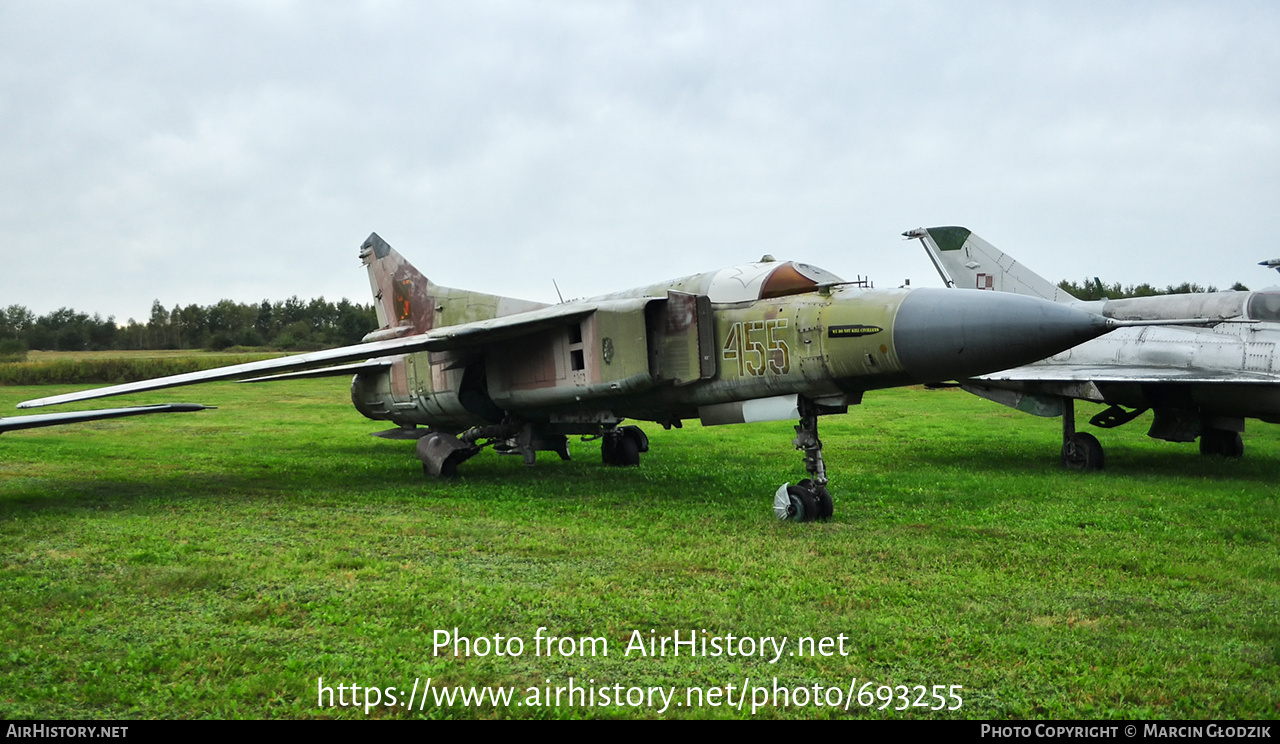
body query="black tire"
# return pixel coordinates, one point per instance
(627, 452)
(1221, 443)
(609, 450)
(636, 433)
(826, 507)
(804, 506)
(1234, 446)
(1083, 453)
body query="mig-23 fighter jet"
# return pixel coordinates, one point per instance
(772, 340)
(1199, 382)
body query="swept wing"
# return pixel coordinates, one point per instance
(75, 417)
(475, 334)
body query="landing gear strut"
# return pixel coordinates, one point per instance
(807, 500)
(1080, 451)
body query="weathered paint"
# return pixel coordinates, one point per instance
(666, 351)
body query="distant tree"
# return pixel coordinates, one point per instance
(132, 336)
(12, 350)
(265, 323)
(1095, 289)
(192, 325)
(67, 330)
(323, 315)
(224, 317)
(102, 333)
(158, 327)
(354, 322)
(16, 321)
(291, 311)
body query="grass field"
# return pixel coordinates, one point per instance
(216, 564)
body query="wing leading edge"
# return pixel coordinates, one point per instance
(75, 417)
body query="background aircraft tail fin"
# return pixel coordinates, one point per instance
(967, 261)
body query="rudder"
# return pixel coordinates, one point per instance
(402, 295)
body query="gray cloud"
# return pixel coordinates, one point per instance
(190, 152)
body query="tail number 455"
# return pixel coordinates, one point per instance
(755, 347)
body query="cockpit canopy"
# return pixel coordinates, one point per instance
(761, 281)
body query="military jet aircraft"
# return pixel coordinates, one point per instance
(1199, 382)
(763, 341)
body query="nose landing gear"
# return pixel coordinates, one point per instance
(808, 500)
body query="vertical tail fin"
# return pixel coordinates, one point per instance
(401, 294)
(967, 261)
(407, 302)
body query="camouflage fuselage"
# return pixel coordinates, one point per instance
(705, 346)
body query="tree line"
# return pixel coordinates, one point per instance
(1096, 289)
(293, 324)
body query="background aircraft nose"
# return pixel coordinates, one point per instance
(945, 334)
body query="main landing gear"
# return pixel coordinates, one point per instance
(807, 500)
(1083, 451)
(441, 452)
(623, 445)
(1221, 443)
(1080, 451)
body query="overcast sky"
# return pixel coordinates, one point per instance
(190, 152)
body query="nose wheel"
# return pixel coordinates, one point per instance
(808, 500)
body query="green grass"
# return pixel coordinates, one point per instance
(215, 564)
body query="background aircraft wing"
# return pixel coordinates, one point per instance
(1120, 373)
(74, 417)
(478, 333)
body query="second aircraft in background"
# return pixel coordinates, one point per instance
(1198, 382)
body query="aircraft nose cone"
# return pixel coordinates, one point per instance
(946, 334)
